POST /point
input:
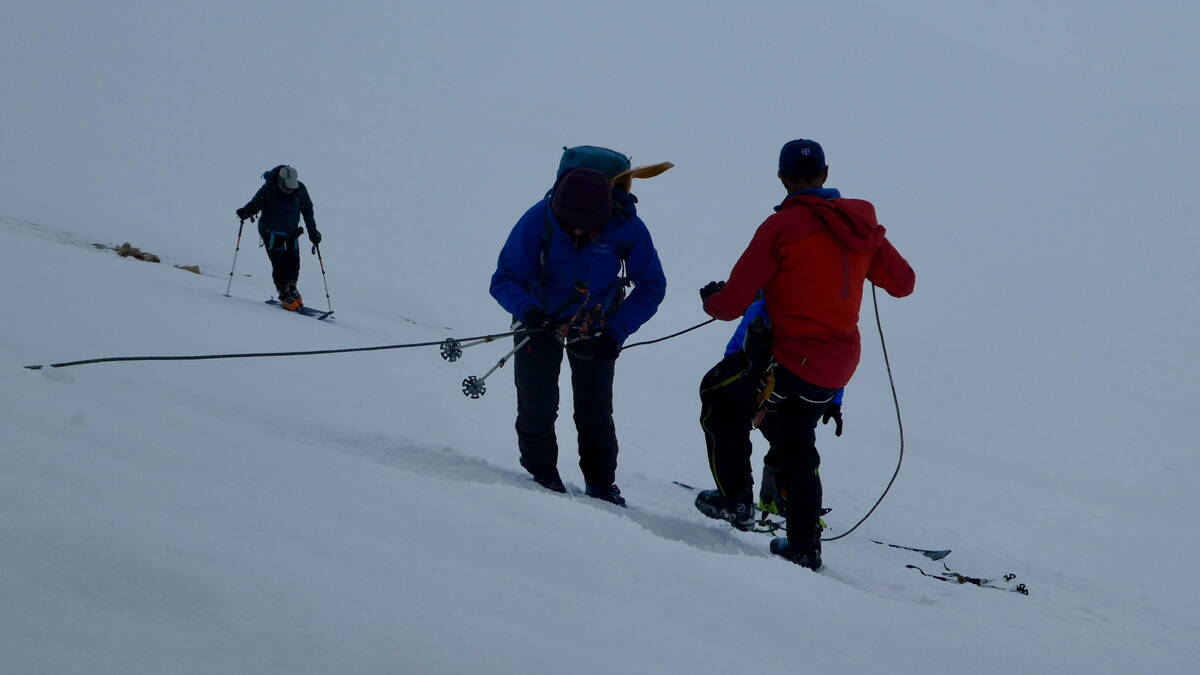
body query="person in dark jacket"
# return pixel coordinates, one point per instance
(563, 271)
(728, 407)
(282, 200)
(811, 259)
(731, 406)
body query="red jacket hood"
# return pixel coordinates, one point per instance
(851, 220)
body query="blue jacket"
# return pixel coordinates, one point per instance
(520, 284)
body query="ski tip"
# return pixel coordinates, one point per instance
(33, 367)
(928, 553)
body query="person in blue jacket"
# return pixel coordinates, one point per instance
(731, 405)
(565, 271)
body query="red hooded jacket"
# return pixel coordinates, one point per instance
(811, 259)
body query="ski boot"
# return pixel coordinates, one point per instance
(737, 512)
(285, 299)
(803, 550)
(295, 302)
(609, 493)
(551, 481)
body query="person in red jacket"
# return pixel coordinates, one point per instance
(810, 259)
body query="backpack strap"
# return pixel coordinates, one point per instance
(545, 236)
(623, 281)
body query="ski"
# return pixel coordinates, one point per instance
(1005, 583)
(769, 526)
(306, 311)
(928, 553)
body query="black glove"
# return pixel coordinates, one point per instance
(709, 289)
(833, 411)
(605, 347)
(314, 236)
(536, 319)
(244, 213)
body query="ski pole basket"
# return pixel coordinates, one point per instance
(473, 387)
(452, 350)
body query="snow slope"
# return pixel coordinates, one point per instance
(356, 514)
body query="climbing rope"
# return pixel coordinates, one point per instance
(204, 357)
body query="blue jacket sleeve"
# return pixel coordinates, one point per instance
(650, 287)
(518, 266)
(738, 341)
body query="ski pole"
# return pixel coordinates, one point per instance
(237, 247)
(452, 348)
(474, 386)
(317, 248)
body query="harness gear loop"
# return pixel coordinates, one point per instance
(768, 386)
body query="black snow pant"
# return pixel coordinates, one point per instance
(285, 265)
(794, 408)
(728, 402)
(536, 369)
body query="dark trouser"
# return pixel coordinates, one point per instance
(727, 406)
(796, 407)
(285, 265)
(536, 367)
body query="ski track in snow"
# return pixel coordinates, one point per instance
(49, 233)
(61, 236)
(671, 519)
(453, 465)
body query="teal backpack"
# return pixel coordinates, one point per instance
(608, 162)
